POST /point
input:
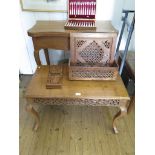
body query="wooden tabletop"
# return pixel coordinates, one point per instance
(50, 28)
(71, 89)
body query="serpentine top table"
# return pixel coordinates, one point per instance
(93, 93)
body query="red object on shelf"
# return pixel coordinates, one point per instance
(81, 14)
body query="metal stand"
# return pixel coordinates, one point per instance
(131, 28)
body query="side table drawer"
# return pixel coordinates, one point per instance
(53, 42)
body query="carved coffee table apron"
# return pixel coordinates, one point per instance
(93, 93)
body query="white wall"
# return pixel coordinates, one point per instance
(128, 4)
(106, 10)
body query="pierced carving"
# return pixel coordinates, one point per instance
(92, 57)
(77, 101)
(106, 64)
(79, 43)
(106, 44)
(97, 74)
(93, 53)
(98, 71)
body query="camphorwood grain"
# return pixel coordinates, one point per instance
(58, 124)
(51, 34)
(88, 89)
(56, 28)
(95, 93)
(47, 56)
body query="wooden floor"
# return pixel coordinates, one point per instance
(74, 130)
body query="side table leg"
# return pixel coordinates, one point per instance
(35, 114)
(131, 105)
(47, 56)
(37, 58)
(121, 113)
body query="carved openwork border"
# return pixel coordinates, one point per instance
(92, 53)
(92, 74)
(71, 101)
(79, 43)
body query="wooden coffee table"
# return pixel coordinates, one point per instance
(92, 93)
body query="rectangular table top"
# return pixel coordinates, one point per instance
(75, 89)
(56, 28)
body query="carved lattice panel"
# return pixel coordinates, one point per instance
(77, 101)
(93, 53)
(92, 56)
(92, 73)
(79, 43)
(93, 50)
(97, 74)
(92, 47)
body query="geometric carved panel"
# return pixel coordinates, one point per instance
(79, 43)
(92, 53)
(106, 44)
(77, 101)
(97, 74)
(92, 47)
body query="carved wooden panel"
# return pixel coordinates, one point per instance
(54, 79)
(86, 71)
(92, 47)
(97, 74)
(93, 51)
(92, 56)
(55, 69)
(77, 101)
(54, 82)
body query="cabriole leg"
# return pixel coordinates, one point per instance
(30, 109)
(121, 113)
(36, 56)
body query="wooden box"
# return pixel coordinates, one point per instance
(92, 56)
(93, 72)
(54, 79)
(81, 14)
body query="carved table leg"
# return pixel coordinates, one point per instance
(37, 58)
(47, 56)
(35, 114)
(121, 113)
(131, 105)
